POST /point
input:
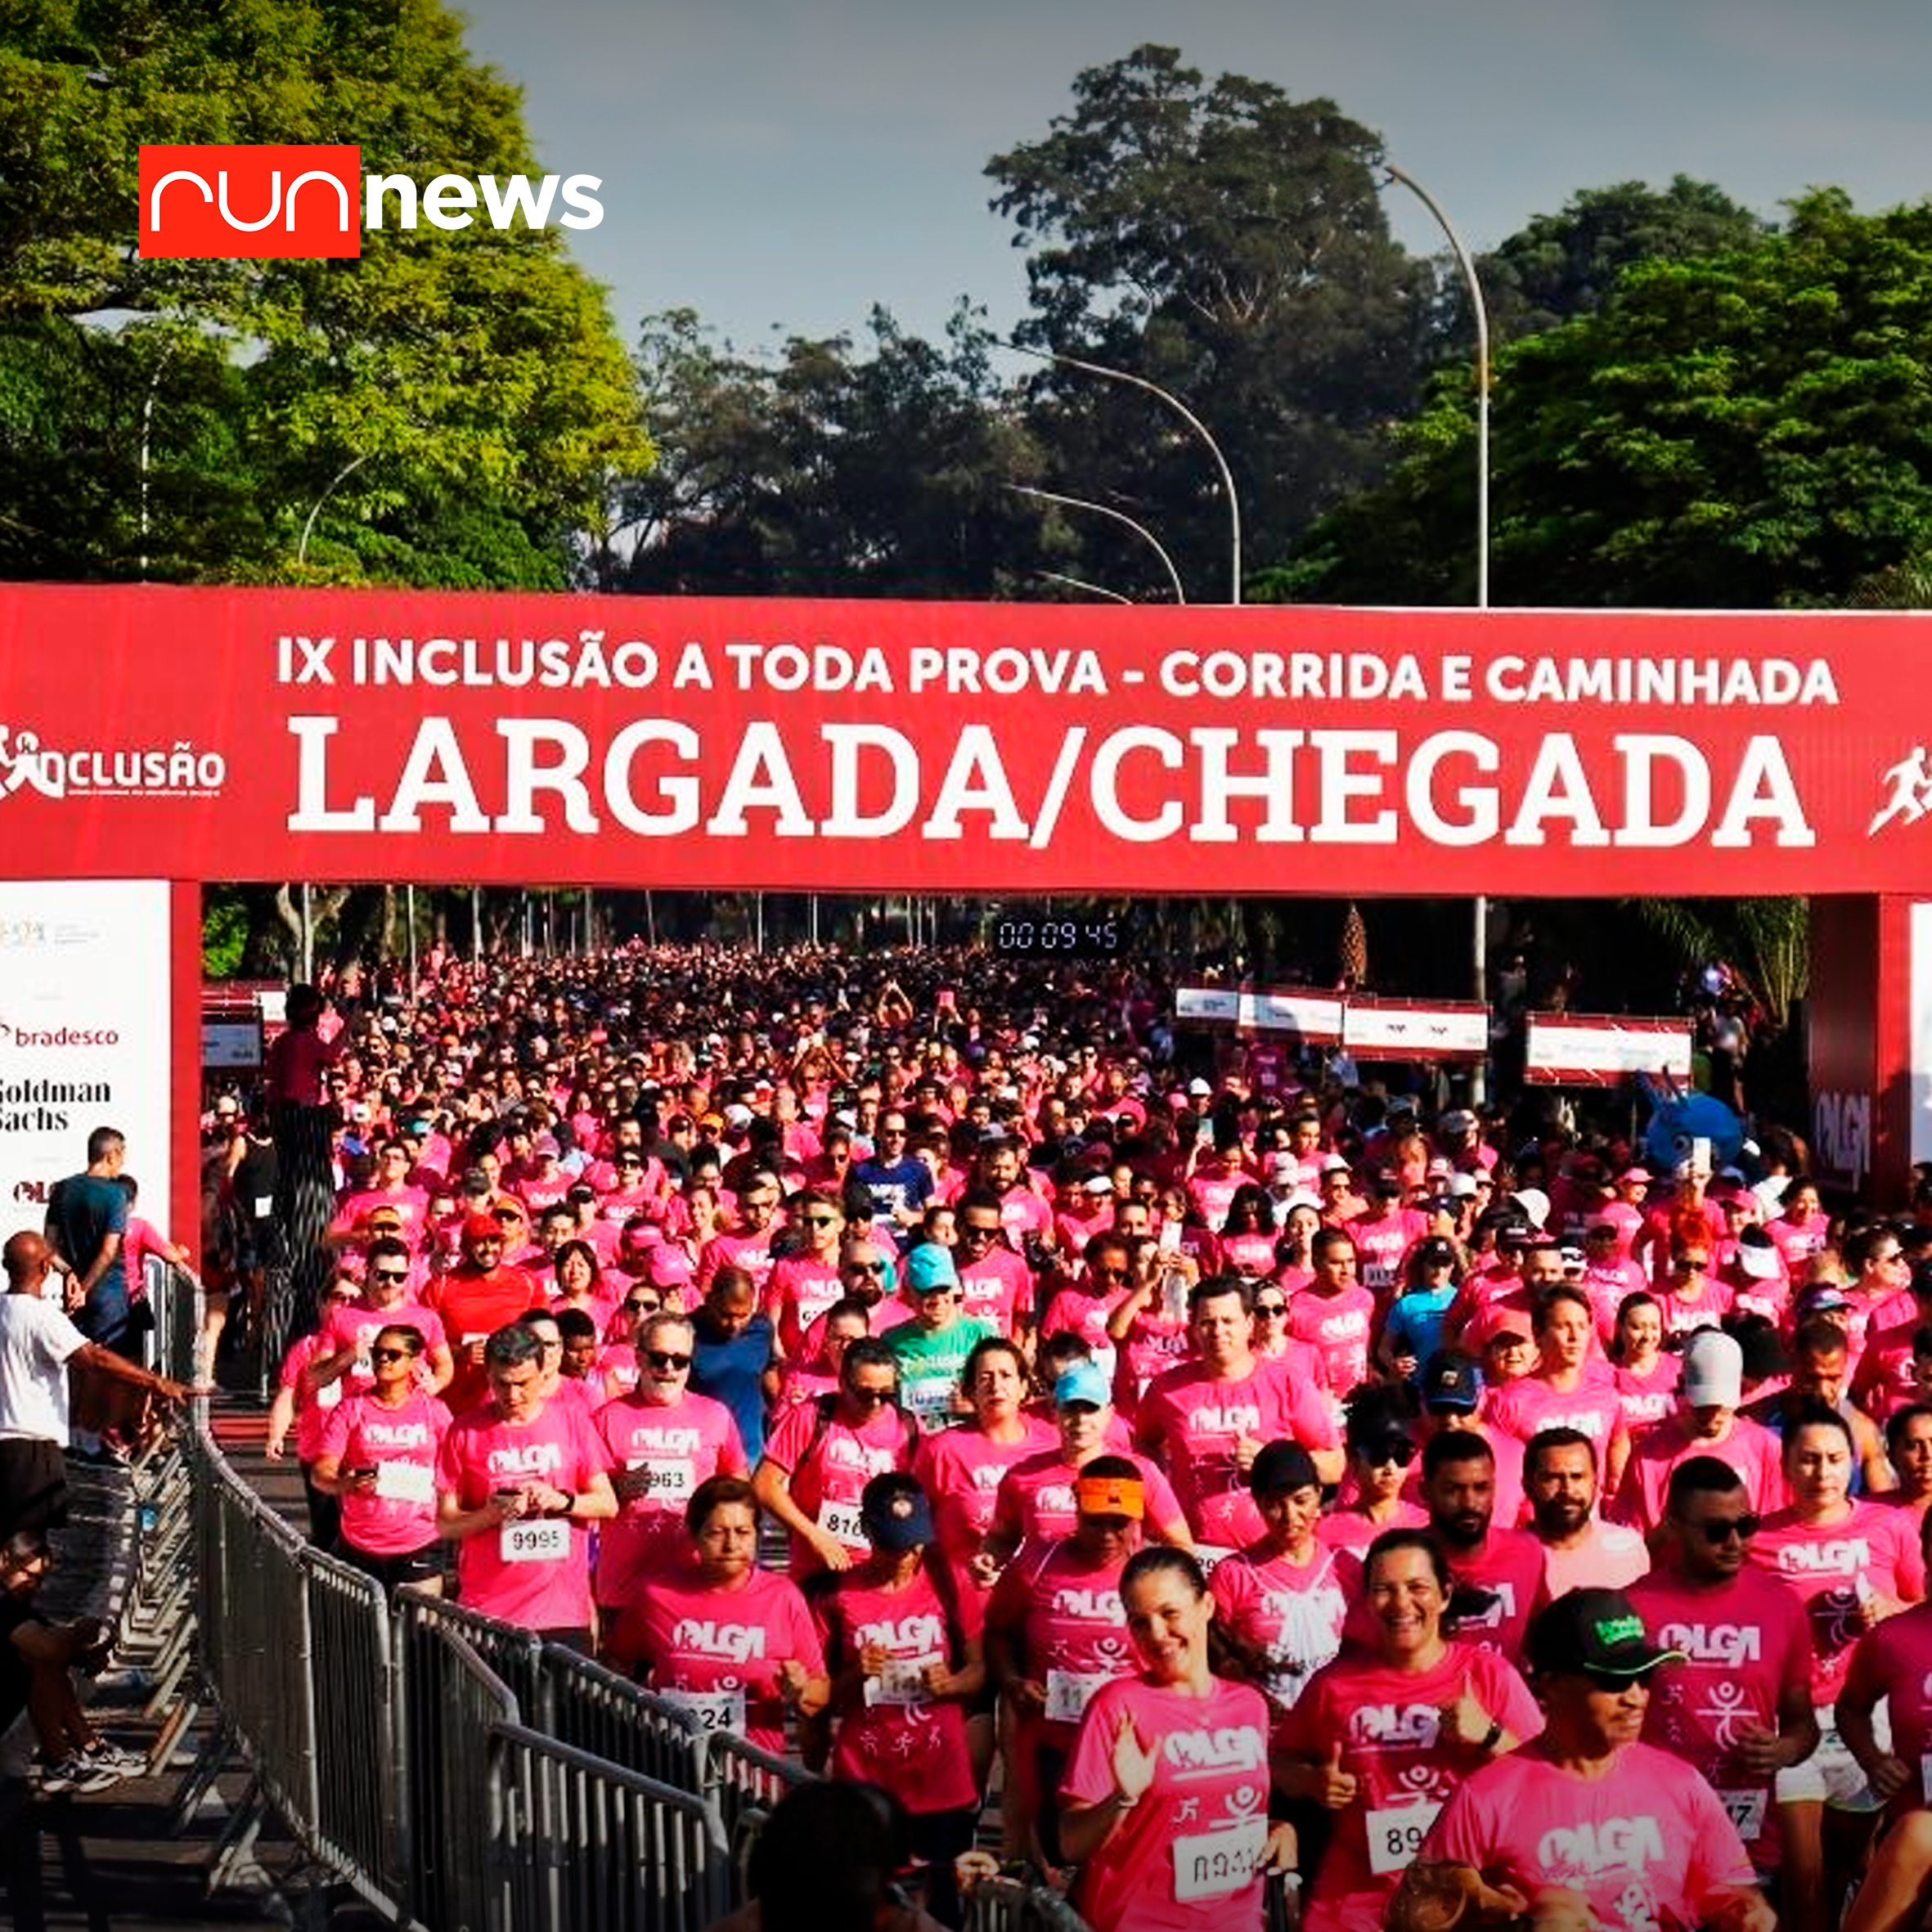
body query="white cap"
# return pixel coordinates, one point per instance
(1535, 1205)
(1713, 1371)
(1335, 1164)
(1198, 1085)
(1757, 1256)
(1282, 1166)
(1460, 1186)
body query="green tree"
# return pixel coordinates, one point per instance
(1560, 266)
(1747, 431)
(1228, 243)
(828, 472)
(456, 402)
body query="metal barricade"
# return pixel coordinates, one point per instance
(359, 1826)
(584, 1844)
(175, 1297)
(745, 1783)
(451, 1700)
(514, 1654)
(1005, 1905)
(591, 1709)
(255, 1650)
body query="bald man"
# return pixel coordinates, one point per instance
(37, 1343)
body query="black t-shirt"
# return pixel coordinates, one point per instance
(15, 1611)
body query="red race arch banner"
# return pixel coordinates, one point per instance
(288, 734)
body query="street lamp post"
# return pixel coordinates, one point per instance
(1119, 516)
(1192, 421)
(1480, 311)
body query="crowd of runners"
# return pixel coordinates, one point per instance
(944, 1369)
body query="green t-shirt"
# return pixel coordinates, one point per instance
(930, 1364)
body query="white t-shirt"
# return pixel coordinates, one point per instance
(36, 1338)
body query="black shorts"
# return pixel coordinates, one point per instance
(32, 1485)
(412, 1566)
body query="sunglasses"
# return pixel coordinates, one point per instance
(1608, 1681)
(1689, 1265)
(1397, 1450)
(643, 1307)
(820, 1221)
(872, 1398)
(630, 1160)
(1110, 1273)
(660, 1358)
(1268, 1310)
(392, 1354)
(864, 1267)
(389, 1275)
(979, 1229)
(1718, 1530)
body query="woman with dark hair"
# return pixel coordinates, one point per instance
(1165, 1803)
(828, 1859)
(1646, 1377)
(1247, 1235)
(1379, 1740)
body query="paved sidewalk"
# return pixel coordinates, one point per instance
(108, 1861)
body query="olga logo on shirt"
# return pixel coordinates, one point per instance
(1589, 1849)
(1843, 1556)
(738, 1643)
(525, 1458)
(1089, 1607)
(1233, 1748)
(1233, 1418)
(669, 1442)
(915, 1636)
(1410, 1726)
(1726, 1644)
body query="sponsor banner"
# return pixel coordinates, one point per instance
(1576, 1049)
(231, 1041)
(1312, 1018)
(1415, 1029)
(85, 1034)
(1206, 1006)
(273, 734)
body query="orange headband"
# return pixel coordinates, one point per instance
(1110, 1496)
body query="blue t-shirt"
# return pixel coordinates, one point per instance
(1414, 1326)
(82, 1211)
(733, 1372)
(906, 1184)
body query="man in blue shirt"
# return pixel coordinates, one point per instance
(732, 1357)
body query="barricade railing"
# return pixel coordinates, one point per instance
(745, 1783)
(593, 1709)
(1005, 1905)
(513, 1654)
(359, 1825)
(174, 1297)
(455, 1702)
(584, 1843)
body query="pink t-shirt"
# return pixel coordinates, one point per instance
(402, 1445)
(1337, 1327)
(1831, 1566)
(1068, 1623)
(680, 1446)
(799, 1290)
(1523, 1409)
(1611, 1556)
(1381, 1241)
(1346, 1528)
(999, 1288)
(896, 1736)
(1072, 1311)
(1293, 1612)
(1034, 1501)
(1650, 1844)
(752, 1252)
(960, 1470)
(1388, 1723)
(1743, 1641)
(1895, 1660)
(691, 1642)
(1750, 1448)
(1650, 1398)
(352, 1326)
(1187, 1856)
(495, 1574)
(1193, 1420)
(312, 1412)
(827, 1484)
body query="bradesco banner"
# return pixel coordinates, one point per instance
(84, 1035)
(288, 734)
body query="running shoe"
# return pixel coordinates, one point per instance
(74, 1773)
(110, 1757)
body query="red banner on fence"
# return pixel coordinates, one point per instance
(286, 734)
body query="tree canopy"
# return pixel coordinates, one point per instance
(456, 401)
(1746, 431)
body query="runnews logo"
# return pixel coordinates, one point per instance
(232, 203)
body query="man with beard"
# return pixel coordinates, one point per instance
(1498, 1574)
(1579, 1547)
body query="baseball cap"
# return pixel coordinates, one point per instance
(1283, 1166)
(482, 1227)
(929, 1268)
(1098, 1183)
(476, 1180)
(1335, 1164)
(1198, 1087)
(1757, 1255)
(1597, 1631)
(668, 1267)
(546, 1143)
(1083, 1382)
(894, 1513)
(1433, 1252)
(1713, 1371)
(1460, 1186)
(1498, 1320)
(1635, 1173)
(1822, 1300)
(1282, 1466)
(737, 1116)
(1535, 1203)
(1458, 1120)
(1452, 1381)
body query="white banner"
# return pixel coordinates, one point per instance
(1922, 1031)
(1373, 1030)
(1206, 1006)
(1575, 1050)
(1313, 1017)
(84, 1037)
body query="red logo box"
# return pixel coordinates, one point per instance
(233, 202)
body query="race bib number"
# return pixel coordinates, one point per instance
(1745, 1810)
(842, 1520)
(329, 1394)
(903, 1681)
(1069, 1692)
(1396, 1836)
(714, 1710)
(406, 1482)
(1217, 1864)
(666, 1479)
(930, 1398)
(1208, 1555)
(545, 1541)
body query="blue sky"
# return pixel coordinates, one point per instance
(781, 168)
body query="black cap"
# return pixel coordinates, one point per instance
(1598, 1632)
(1280, 1467)
(1437, 1248)
(1451, 1381)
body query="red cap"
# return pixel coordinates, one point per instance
(482, 1227)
